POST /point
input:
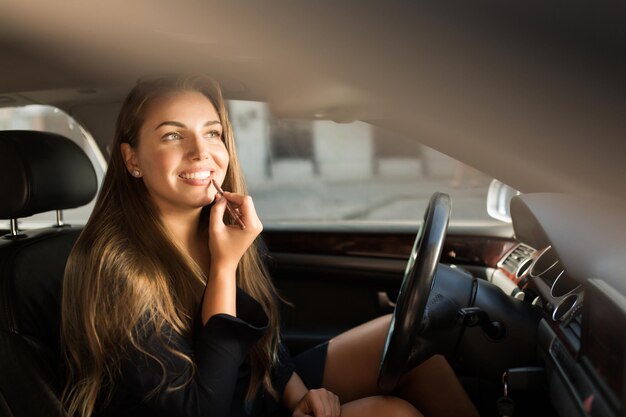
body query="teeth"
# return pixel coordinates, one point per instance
(203, 175)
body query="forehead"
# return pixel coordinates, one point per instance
(184, 106)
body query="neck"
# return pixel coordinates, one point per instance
(184, 228)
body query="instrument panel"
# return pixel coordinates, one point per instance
(584, 327)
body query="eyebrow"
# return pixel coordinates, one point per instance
(182, 125)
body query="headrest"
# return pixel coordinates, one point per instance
(41, 172)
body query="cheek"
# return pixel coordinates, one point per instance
(221, 157)
(160, 162)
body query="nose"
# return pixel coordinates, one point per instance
(199, 149)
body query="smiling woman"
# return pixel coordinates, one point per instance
(147, 207)
(179, 157)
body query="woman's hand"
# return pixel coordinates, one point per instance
(318, 403)
(228, 243)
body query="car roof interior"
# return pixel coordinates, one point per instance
(519, 81)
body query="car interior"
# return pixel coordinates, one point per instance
(531, 93)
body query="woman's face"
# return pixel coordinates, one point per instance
(180, 149)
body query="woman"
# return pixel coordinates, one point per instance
(167, 308)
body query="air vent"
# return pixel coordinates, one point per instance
(515, 257)
(572, 330)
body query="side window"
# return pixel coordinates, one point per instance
(314, 171)
(51, 119)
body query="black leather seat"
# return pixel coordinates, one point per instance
(39, 172)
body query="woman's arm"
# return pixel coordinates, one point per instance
(227, 244)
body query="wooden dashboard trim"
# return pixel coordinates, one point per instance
(458, 249)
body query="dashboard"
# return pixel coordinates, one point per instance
(582, 334)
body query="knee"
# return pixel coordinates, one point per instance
(396, 407)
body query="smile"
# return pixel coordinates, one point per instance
(200, 175)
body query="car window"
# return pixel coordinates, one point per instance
(317, 171)
(51, 119)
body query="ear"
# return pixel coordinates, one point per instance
(130, 157)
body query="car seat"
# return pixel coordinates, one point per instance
(39, 172)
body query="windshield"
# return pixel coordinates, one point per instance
(314, 171)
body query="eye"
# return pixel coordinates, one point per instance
(172, 136)
(214, 134)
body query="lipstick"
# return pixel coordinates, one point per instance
(232, 211)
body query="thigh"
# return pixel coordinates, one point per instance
(378, 406)
(353, 359)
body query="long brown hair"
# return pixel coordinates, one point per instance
(111, 284)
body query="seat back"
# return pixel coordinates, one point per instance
(39, 172)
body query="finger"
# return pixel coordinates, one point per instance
(337, 406)
(248, 210)
(329, 401)
(325, 399)
(318, 407)
(331, 404)
(303, 409)
(235, 198)
(249, 215)
(239, 201)
(318, 410)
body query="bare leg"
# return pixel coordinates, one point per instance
(434, 389)
(351, 372)
(379, 406)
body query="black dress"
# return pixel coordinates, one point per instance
(218, 388)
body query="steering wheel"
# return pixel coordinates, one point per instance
(406, 322)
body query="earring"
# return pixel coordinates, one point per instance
(136, 173)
